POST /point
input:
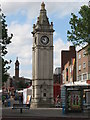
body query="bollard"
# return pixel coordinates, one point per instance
(63, 109)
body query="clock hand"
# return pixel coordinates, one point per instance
(44, 40)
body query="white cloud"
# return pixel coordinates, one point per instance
(42, 0)
(21, 47)
(27, 72)
(31, 9)
(62, 9)
(59, 45)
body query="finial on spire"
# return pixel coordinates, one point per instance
(42, 6)
(17, 58)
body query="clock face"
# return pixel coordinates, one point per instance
(44, 40)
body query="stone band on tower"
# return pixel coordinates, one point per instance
(42, 61)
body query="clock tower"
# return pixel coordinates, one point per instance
(42, 61)
(17, 69)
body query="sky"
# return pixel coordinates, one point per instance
(20, 17)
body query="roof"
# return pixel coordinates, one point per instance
(78, 83)
(82, 48)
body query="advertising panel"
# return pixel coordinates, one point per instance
(74, 100)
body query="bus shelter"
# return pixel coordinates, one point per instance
(75, 97)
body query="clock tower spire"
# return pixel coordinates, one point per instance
(42, 61)
(17, 69)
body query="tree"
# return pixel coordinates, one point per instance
(21, 84)
(5, 40)
(80, 28)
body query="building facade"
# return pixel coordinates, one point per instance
(68, 65)
(57, 85)
(42, 66)
(57, 75)
(75, 93)
(83, 65)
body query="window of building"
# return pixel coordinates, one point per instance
(89, 63)
(66, 74)
(70, 69)
(79, 67)
(84, 76)
(84, 65)
(79, 77)
(71, 79)
(84, 53)
(63, 74)
(79, 56)
(88, 76)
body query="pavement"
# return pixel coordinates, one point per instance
(42, 114)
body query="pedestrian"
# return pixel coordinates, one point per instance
(19, 99)
(3, 99)
(22, 98)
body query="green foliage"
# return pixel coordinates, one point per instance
(5, 40)
(21, 84)
(5, 68)
(80, 28)
(26, 85)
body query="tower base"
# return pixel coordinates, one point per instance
(42, 103)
